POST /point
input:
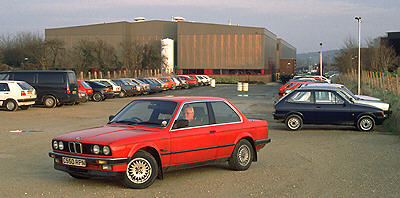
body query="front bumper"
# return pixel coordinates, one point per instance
(86, 172)
(93, 165)
(92, 160)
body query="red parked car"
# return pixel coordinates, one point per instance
(169, 81)
(191, 80)
(151, 135)
(83, 86)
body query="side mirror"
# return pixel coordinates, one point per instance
(111, 117)
(180, 124)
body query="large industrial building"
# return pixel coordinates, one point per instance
(198, 48)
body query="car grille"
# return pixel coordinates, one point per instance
(77, 147)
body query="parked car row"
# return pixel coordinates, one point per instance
(55, 88)
(310, 102)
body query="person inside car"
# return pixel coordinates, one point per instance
(189, 114)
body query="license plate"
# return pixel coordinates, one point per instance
(73, 161)
(29, 92)
(73, 92)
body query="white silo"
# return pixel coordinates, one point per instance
(167, 54)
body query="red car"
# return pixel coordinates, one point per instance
(191, 80)
(169, 81)
(151, 135)
(290, 86)
(83, 86)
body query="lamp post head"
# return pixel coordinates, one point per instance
(358, 18)
(320, 43)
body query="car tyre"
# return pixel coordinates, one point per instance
(11, 105)
(97, 97)
(141, 171)
(242, 156)
(25, 107)
(76, 176)
(50, 102)
(365, 123)
(294, 122)
(122, 94)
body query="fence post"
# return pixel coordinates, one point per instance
(108, 74)
(81, 75)
(101, 75)
(89, 75)
(397, 85)
(124, 73)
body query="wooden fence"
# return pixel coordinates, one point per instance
(384, 81)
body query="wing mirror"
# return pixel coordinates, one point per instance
(111, 117)
(180, 124)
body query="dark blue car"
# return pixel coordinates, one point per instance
(325, 105)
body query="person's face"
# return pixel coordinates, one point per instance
(188, 114)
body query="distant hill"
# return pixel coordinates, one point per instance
(311, 58)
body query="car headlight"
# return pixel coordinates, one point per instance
(55, 145)
(138, 88)
(96, 149)
(106, 150)
(60, 145)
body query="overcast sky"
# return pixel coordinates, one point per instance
(302, 23)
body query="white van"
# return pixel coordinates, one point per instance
(14, 94)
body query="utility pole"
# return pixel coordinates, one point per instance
(359, 55)
(320, 60)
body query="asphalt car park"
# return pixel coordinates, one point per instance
(317, 161)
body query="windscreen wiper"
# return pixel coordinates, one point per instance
(125, 122)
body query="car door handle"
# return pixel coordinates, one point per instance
(318, 107)
(213, 131)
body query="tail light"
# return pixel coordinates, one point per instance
(34, 92)
(68, 91)
(90, 90)
(109, 89)
(23, 93)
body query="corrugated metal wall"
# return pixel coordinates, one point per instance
(151, 32)
(211, 46)
(112, 33)
(285, 54)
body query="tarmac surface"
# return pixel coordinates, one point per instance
(317, 161)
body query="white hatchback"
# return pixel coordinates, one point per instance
(14, 94)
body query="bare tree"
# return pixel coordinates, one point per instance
(82, 55)
(347, 56)
(151, 57)
(381, 56)
(54, 49)
(24, 49)
(133, 54)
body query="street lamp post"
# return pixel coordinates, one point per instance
(320, 61)
(359, 55)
